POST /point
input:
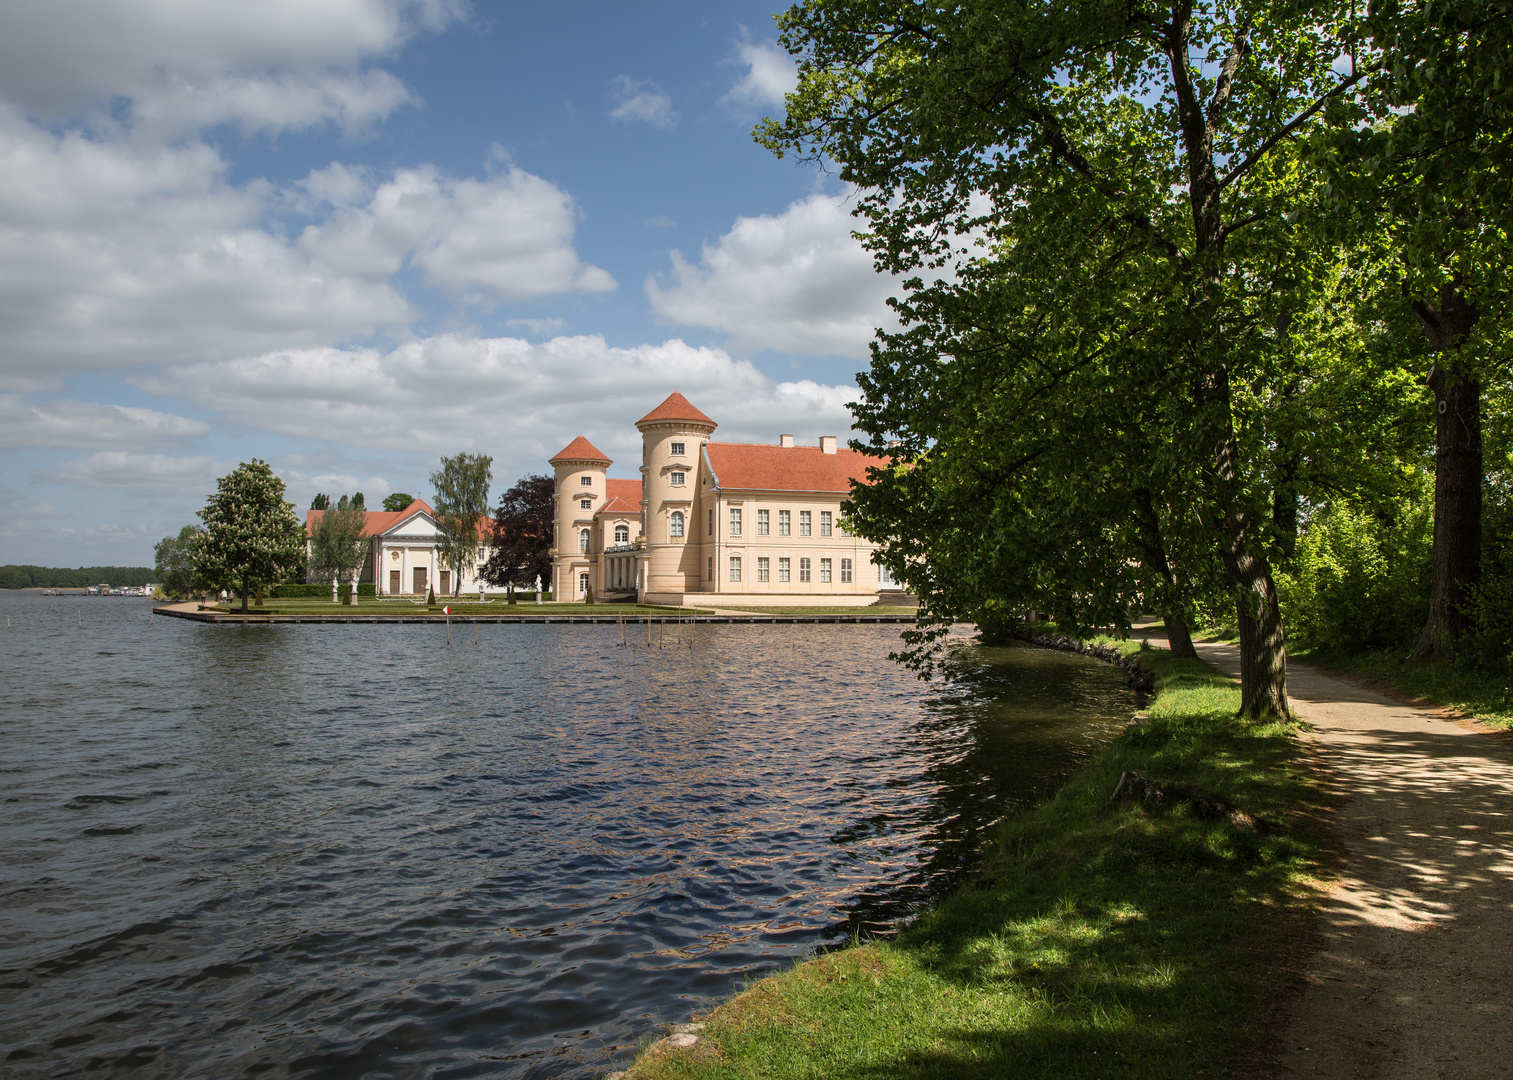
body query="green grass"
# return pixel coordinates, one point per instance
(1477, 692)
(1097, 943)
(304, 606)
(875, 609)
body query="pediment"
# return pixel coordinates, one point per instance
(419, 524)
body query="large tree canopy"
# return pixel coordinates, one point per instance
(251, 535)
(1101, 368)
(339, 544)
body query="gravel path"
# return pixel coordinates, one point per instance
(1416, 974)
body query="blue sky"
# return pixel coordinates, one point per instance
(351, 237)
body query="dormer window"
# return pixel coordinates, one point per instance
(676, 449)
(676, 479)
(585, 481)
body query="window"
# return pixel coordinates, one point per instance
(785, 522)
(806, 523)
(675, 448)
(711, 521)
(885, 579)
(585, 504)
(677, 523)
(804, 569)
(764, 522)
(710, 572)
(735, 525)
(582, 584)
(825, 522)
(676, 479)
(622, 534)
(583, 540)
(735, 568)
(845, 570)
(764, 569)
(782, 569)
(585, 481)
(824, 570)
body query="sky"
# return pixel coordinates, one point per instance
(352, 237)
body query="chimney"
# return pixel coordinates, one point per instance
(785, 440)
(827, 444)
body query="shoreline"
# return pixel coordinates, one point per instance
(188, 611)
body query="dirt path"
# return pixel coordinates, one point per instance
(1416, 975)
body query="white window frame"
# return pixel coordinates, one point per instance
(583, 541)
(804, 569)
(845, 571)
(764, 568)
(676, 479)
(785, 522)
(735, 568)
(585, 504)
(826, 521)
(785, 569)
(622, 534)
(585, 481)
(735, 521)
(806, 523)
(825, 566)
(676, 449)
(675, 525)
(764, 522)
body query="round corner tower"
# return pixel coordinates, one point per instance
(580, 479)
(672, 438)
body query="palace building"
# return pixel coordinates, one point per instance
(711, 522)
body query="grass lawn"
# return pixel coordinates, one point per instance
(876, 609)
(1480, 693)
(1097, 943)
(367, 606)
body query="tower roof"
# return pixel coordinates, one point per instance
(676, 407)
(580, 449)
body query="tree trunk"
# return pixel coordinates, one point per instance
(1179, 638)
(1263, 649)
(245, 590)
(1457, 509)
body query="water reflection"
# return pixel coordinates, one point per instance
(323, 851)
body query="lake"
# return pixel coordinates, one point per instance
(354, 850)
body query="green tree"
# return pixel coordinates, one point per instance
(1092, 206)
(522, 534)
(1424, 152)
(173, 561)
(339, 544)
(398, 501)
(462, 505)
(322, 501)
(251, 536)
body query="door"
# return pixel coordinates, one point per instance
(582, 585)
(420, 580)
(446, 583)
(394, 581)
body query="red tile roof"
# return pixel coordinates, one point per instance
(621, 497)
(750, 467)
(376, 522)
(580, 449)
(676, 407)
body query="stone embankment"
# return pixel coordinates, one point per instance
(1139, 677)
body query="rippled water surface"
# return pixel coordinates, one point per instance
(357, 851)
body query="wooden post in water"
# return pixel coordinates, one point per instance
(449, 625)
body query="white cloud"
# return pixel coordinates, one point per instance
(770, 73)
(537, 326)
(183, 63)
(84, 425)
(112, 254)
(508, 237)
(124, 470)
(797, 282)
(42, 512)
(645, 102)
(518, 401)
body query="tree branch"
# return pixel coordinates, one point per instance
(1292, 125)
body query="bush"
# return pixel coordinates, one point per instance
(1358, 581)
(294, 590)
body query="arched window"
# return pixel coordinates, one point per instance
(677, 523)
(583, 540)
(622, 534)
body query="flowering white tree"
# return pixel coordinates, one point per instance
(251, 534)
